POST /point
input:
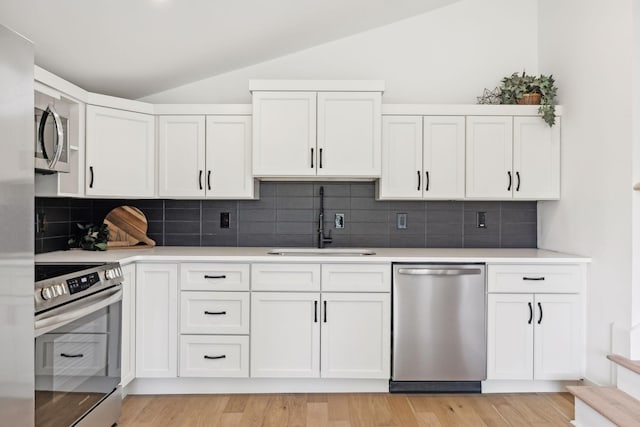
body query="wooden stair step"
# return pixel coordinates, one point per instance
(613, 404)
(632, 365)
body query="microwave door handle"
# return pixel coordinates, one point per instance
(59, 136)
(48, 324)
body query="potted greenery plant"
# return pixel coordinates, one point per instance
(90, 237)
(525, 89)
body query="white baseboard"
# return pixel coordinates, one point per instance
(517, 386)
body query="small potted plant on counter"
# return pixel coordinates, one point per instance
(525, 89)
(90, 237)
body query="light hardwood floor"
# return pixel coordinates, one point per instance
(344, 410)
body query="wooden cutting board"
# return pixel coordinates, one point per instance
(127, 227)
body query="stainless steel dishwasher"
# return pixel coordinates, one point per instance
(439, 328)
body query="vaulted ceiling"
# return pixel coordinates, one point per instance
(133, 48)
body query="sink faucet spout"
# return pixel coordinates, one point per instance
(322, 238)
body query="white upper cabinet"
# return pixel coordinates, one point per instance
(120, 153)
(443, 157)
(284, 133)
(341, 140)
(489, 157)
(512, 158)
(423, 158)
(401, 158)
(181, 156)
(536, 158)
(205, 157)
(228, 155)
(349, 134)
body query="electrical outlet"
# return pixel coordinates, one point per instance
(224, 219)
(401, 221)
(339, 220)
(481, 219)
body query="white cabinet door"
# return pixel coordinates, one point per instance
(355, 335)
(401, 158)
(285, 334)
(228, 172)
(128, 358)
(284, 133)
(156, 320)
(489, 149)
(443, 158)
(120, 150)
(510, 337)
(558, 337)
(536, 159)
(349, 134)
(181, 156)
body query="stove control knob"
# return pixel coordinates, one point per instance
(59, 289)
(46, 294)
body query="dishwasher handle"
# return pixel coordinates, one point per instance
(439, 271)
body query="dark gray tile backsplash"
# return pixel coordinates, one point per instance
(287, 215)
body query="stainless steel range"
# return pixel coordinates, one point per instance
(78, 312)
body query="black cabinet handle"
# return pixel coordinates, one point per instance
(320, 161)
(311, 158)
(325, 311)
(509, 186)
(426, 184)
(224, 356)
(71, 355)
(222, 276)
(533, 278)
(91, 180)
(215, 313)
(209, 179)
(200, 179)
(518, 178)
(540, 318)
(418, 181)
(530, 314)
(315, 312)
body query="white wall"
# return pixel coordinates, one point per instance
(445, 56)
(587, 45)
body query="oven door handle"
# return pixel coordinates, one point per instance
(47, 324)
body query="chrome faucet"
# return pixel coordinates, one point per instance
(322, 239)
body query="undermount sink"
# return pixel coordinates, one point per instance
(321, 252)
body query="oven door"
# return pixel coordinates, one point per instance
(77, 359)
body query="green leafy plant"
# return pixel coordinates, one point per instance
(514, 87)
(90, 237)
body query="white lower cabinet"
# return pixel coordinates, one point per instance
(156, 320)
(128, 358)
(534, 336)
(285, 334)
(355, 335)
(214, 320)
(323, 334)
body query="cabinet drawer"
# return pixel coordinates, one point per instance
(214, 356)
(356, 277)
(214, 312)
(214, 277)
(534, 278)
(285, 277)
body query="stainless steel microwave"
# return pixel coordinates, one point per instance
(51, 141)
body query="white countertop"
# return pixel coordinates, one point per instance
(254, 254)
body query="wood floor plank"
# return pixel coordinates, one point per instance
(254, 411)
(402, 411)
(338, 404)
(237, 403)
(317, 414)
(348, 410)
